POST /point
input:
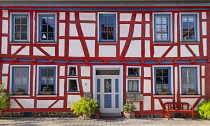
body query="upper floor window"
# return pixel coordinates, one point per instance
(107, 27)
(20, 25)
(162, 27)
(20, 79)
(46, 27)
(189, 28)
(189, 80)
(133, 71)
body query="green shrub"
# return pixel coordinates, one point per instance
(129, 107)
(84, 106)
(4, 98)
(204, 109)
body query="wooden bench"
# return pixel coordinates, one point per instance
(179, 107)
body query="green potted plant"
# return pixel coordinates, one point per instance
(190, 91)
(19, 91)
(129, 109)
(163, 91)
(4, 99)
(85, 107)
(47, 90)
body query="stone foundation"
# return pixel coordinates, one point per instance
(38, 114)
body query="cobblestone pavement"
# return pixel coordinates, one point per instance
(65, 121)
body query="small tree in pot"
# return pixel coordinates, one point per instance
(4, 98)
(128, 110)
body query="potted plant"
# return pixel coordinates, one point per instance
(163, 91)
(190, 91)
(128, 110)
(85, 107)
(4, 99)
(19, 91)
(46, 91)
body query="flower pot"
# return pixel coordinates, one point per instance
(46, 92)
(129, 115)
(18, 93)
(85, 116)
(163, 92)
(190, 92)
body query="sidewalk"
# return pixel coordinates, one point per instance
(66, 121)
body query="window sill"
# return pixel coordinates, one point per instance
(19, 95)
(46, 42)
(190, 42)
(162, 42)
(195, 95)
(107, 42)
(170, 95)
(73, 92)
(51, 95)
(19, 42)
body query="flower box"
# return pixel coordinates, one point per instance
(190, 92)
(18, 93)
(162, 92)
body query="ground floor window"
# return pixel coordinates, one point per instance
(73, 85)
(133, 85)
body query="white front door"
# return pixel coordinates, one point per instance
(108, 93)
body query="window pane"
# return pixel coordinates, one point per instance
(47, 26)
(24, 20)
(189, 27)
(107, 85)
(20, 27)
(133, 85)
(73, 85)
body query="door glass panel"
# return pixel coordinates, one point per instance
(107, 85)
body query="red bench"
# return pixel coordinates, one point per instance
(179, 107)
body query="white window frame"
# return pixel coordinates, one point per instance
(138, 84)
(76, 70)
(78, 88)
(133, 67)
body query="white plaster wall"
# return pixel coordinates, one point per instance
(87, 16)
(75, 48)
(88, 29)
(85, 71)
(137, 30)
(204, 26)
(73, 30)
(49, 50)
(86, 85)
(175, 27)
(125, 16)
(5, 26)
(147, 86)
(72, 16)
(147, 17)
(172, 52)
(147, 48)
(137, 104)
(26, 103)
(91, 47)
(185, 52)
(61, 87)
(134, 49)
(122, 44)
(195, 49)
(62, 15)
(62, 27)
(138, 17)
(34, 79)
(176, 82)
(147, 30)
(5, 13)
(147, 103)
(191, 101)
(24, 51)
(61, 47)
(160, 50)
(204, 46)
(166, 100)
(14, 49)
(202, 70)
(13, 104)
(203, 15)
(5, 81)
(72, 98)
(124, 29)
(62, 71)
(37, 52)
(107, 51)
(44, 103)
(158, 105)
(203, 86)
(59, 104)
(5, 68)
(4, 45)
(147, 72)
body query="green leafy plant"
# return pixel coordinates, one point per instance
(85, 106)
(19, 90)
(204, 109)
(129, 107)
(4, 98)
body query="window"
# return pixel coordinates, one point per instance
(20, 24)
(47, 79)
(107, 27)
(189, 27)
(72, 71)
(162, 79)
(20, 79)
(73, 85)
(47, 27)
(133, 85)
(162, 27)
(133, 71)
(189, 80)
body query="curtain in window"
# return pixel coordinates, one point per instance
(133, 85)
(20, 79)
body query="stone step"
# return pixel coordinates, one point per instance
(110, 115)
